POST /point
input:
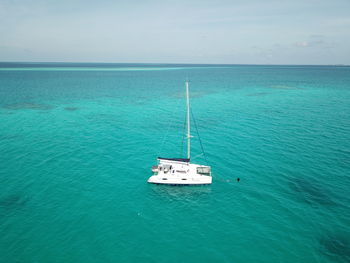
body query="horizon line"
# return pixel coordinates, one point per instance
(170, 63)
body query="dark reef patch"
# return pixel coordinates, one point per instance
(311, 192)
(336, 246)
(28, 106)
(4, 137)
(12, 201)
(71, 108)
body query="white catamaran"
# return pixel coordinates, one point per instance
(179, 171)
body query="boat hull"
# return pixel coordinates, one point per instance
(172, 180)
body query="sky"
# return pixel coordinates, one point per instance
(181, 31)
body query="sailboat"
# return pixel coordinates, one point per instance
(180, 171)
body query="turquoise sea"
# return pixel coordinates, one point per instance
(77, 142)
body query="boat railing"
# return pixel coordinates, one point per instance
(205, 170)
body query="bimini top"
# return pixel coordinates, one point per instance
(175, 159)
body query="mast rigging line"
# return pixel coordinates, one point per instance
(189, 114)
(199, 137)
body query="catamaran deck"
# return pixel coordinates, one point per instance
(172, 171)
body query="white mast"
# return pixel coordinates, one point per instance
(188, 123)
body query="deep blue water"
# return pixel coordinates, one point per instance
(77, 142)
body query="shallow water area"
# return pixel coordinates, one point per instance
(77, 142)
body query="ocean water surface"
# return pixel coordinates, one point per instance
(77, 142)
